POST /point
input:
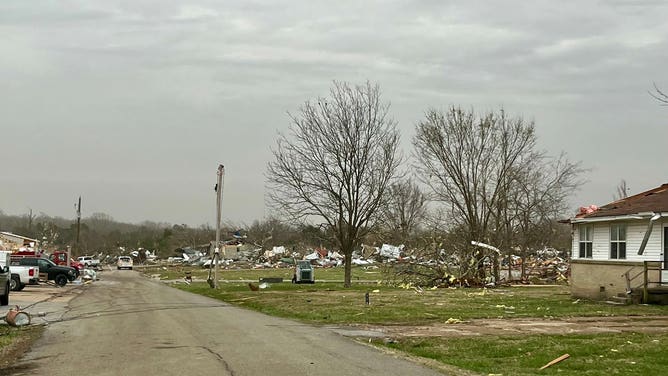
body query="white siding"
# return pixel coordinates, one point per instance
(601, 244)
(634, 235)
(635, 231)
(575, 237)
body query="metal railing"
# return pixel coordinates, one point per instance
(630, 288)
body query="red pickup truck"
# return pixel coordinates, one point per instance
(60, 258)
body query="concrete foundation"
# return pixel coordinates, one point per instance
(601, 280)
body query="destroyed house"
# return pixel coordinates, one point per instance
(620, 250)
(14, 242)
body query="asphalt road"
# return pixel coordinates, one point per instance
(126, 324)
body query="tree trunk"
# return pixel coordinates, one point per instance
(495, 269)
(348, 257)
(510, 266)
(524, 265)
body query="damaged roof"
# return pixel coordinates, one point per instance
(654, 200)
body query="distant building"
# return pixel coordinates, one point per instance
(14, 242)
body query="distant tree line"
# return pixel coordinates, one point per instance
(101, 233)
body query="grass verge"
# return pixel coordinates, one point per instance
(330, 303)
(14, 343)
(599, 354)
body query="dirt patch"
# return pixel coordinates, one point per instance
(24, 338)
(510, 327)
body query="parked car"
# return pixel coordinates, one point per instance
(4, 279)
(88, 261)
(57, 273)
(124, 262)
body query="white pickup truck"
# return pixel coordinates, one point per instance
(89, 261)
(20, 275)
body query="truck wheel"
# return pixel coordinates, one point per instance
(21, 286)
(15, 282)
(4, 300)
(61, 280)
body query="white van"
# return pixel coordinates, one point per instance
(124, 262)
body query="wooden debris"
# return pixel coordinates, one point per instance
(555, 361)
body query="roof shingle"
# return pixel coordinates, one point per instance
(654, 200)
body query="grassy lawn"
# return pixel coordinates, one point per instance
(329, 274)
(600, 354)
(330, 303)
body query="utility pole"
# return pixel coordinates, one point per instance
(216, 251)
(30, 221)
(76, 247)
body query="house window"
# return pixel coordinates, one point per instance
(617, 241)
(586, 241)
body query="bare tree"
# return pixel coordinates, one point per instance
(659, 95)
(406, 208)
(537, 199)
(271, 232)
(487, 171)
(622, 191)
(336, 163)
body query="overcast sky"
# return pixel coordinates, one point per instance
(133, 104)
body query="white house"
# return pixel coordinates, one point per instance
(614, 246)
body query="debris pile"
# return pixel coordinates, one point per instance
(546, 266)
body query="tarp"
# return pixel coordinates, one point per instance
(358, 261)
(312, 256)
(335, 255)
(278, 250)
(390, 251)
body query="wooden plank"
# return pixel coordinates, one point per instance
(555, 361)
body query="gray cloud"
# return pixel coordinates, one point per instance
(133, 104)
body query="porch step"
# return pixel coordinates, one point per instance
(656, 295)
(620, 300)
